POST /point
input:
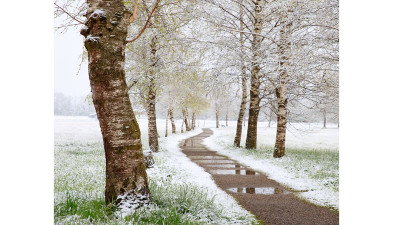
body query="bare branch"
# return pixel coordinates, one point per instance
(69, 14)
(134, 12)
(147, 23)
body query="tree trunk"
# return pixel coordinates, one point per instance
(166, 124)
(193, 121)
(324, 114)
(242, 109)
(254, 109)
(151, 99)
(185, 118)
(284, 46)
(171, 117)
(216, 118)
(270, 118)
(188, 120)
(226, 119)
(105, 35)
(240, 120)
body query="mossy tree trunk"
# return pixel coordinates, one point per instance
(105, 35)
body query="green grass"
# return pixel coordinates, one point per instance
(177, 204)
(319, 165)
(94, 211)
(79, 193)
(173, 204)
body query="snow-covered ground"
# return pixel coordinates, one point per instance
(311, 163)
(187, 172)
(315, 173)
(80, 166)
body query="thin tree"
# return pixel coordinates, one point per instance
(242, 109)
(254, 109)
(284, 47)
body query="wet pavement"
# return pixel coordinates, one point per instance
(265, 198)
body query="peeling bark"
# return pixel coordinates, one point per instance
(254, 109)
(242, 109)
(284, 46)
(105, 35)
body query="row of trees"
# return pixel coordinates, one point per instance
(187, 56)
(285, 52)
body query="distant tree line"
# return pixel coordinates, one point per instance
(72, 106)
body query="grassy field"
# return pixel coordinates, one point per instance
(79, 181)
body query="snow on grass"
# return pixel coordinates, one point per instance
(187, 172)
(311, 163)
(79, 181)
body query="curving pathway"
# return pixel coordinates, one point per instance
(267, 199)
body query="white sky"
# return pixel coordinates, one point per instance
(67, 50)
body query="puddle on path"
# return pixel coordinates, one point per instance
(259, 190)
(213, 161)
(233, 166)
(234, 172)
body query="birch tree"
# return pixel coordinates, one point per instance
(105, 33)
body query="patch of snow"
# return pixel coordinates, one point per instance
(92, 38)
(188, 172)
(316, 192)
(99, 12)
(129, 202)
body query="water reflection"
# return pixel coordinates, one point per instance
(234, 172)
(233, 166)
(259, 190)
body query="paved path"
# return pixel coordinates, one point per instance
(265, 198)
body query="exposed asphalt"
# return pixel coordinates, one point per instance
(268, 200)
